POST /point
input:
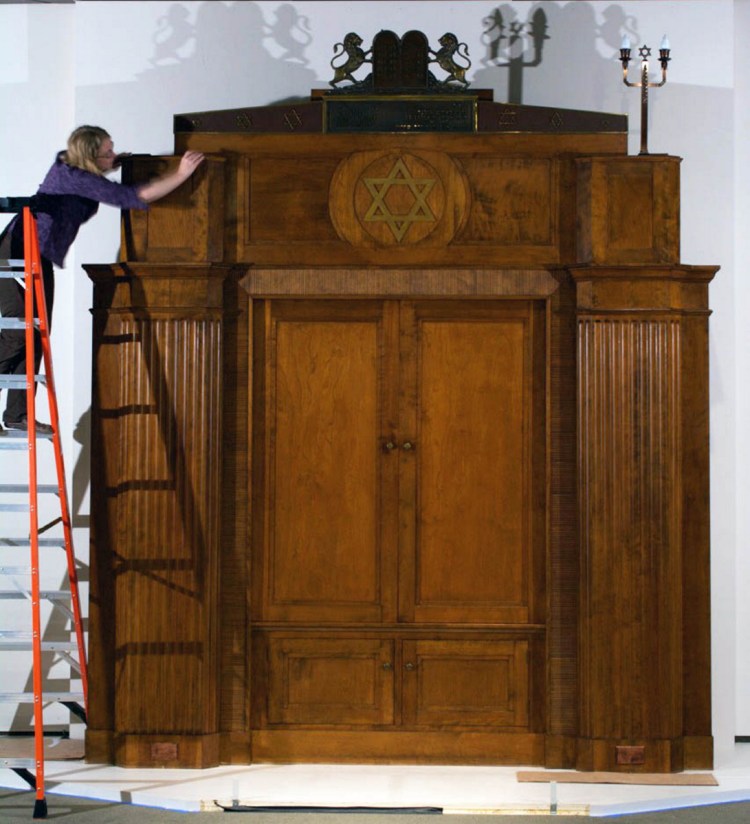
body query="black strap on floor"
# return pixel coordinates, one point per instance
(243, 808)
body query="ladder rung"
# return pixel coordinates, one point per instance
(17, 323)
(21, 434)
(47, 594)
(19, 645)
(14, 507)
(16, 570)
(54, 594)
(11, 763)
(12, 263)
(20, 440)
(47, 697)
(24, 488)
(22, 635)
(17, 381)
(25, 543)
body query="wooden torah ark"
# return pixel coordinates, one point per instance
(400, 451)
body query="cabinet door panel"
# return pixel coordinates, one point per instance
(317, 681)
(324, 475)
(472, 405)
(473, 683)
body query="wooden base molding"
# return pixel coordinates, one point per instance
(236, 747)
(187, 752)
(368, 747)
(99, 746)
(698, 752)
(310, 746)
(647, 755)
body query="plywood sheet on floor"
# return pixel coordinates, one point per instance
(646, 779)
(57, 749)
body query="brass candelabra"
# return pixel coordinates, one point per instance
(644, 52)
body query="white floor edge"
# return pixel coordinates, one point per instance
(454, 790)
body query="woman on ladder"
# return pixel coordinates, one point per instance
(68, 197)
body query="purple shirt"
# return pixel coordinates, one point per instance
(67, 198)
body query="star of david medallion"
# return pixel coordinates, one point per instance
(398, 199)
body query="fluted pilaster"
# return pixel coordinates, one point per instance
(158, 399)
(636, 399)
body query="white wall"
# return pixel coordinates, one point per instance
(742, 358)
(130, 66)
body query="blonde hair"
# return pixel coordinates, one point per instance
(84, 144)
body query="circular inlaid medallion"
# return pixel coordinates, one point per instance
(397, 198)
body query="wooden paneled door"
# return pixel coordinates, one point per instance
(398, 528)
(323, 394)
(472, 476)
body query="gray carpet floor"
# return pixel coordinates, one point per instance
(16, 805)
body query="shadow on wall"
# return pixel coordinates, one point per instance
(227, 49)
(561, 35)
(81, 471)
(220, 55)
(235, 36)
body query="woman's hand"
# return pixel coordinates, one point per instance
(156, 189)
(117, 162)
(189, 162)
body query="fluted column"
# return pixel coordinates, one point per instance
(156, 485)
(643, 455)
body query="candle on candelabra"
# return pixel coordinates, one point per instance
(625, 51)
(664, 52)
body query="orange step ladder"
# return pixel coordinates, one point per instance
(25, 580)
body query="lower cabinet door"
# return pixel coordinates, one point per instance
(466, 683)
(314, 681)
